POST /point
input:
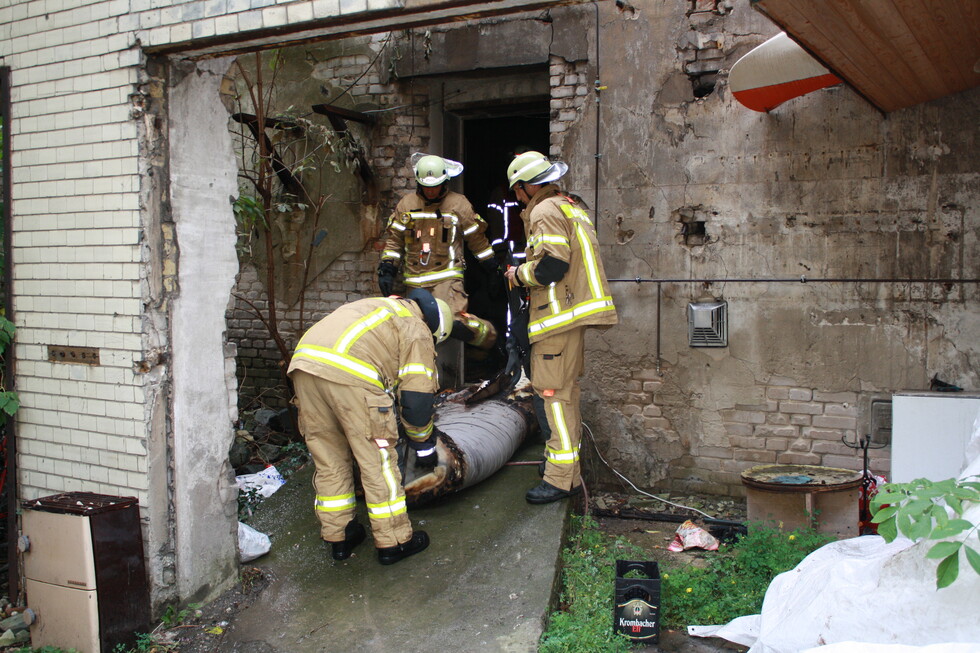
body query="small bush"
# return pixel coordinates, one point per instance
(735, 580)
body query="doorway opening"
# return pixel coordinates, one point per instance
(491, 137)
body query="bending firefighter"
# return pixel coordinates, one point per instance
(568, 293)
(425, 239)
(348, 371)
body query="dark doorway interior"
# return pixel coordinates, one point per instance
(490, 141)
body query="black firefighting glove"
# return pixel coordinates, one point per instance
(386, 277)
(426, 457)
(491, 266)
(460, 332)
(514, 358)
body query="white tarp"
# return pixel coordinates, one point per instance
(862, 592)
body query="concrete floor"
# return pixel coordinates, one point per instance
(485, 582)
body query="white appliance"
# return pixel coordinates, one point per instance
(930, 431)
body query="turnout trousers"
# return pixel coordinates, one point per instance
(557, 362)
(342, 423)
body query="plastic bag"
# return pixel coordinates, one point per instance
(251, 543)
(265, 482)
(689, 536)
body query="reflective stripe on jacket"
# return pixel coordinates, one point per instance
(426, 240)
(379, 343)
(557, 227)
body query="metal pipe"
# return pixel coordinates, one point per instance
(10, 453)
(659, 287)
(801, 279)
(598, 106)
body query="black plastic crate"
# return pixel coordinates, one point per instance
(637, 610)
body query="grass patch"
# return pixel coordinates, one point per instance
(735, 580)
(732, 584)
(584, 619)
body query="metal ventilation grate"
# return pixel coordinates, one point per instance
(707, 324)
(881, 422)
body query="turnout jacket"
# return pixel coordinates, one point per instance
(383, 345)
(426, 240)
(558, 228)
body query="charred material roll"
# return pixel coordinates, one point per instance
(479, 440)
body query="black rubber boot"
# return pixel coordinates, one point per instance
(541, 466)
(392, 554)
(354, 534)
(546, 493)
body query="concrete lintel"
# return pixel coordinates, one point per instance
(416, 14)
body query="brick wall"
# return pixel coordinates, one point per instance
(570, 87)
(77, 259)
(402, 129)
(792, 426)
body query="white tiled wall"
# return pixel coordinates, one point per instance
(77, 221)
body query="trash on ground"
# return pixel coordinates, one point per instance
(265, 483)
(691, 536)
(252, 544)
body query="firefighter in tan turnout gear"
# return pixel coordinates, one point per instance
(568, 293)
(356, 373)
(425, 237)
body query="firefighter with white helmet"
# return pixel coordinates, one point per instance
(425, 238)
(356, 373)
(568, 294)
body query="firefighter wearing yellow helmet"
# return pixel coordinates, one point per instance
(347, 371)
(568, 294)
(425, 238)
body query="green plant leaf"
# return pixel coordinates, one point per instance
(947, 571)
(884, 513)
(921, 527)
(889, 497)
(888, 529)
(973, 558)
(953, 502)
(943, 549)
(9, 402)
(954, 527)
(918, 506)
(903, 520)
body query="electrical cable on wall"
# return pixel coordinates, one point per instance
(647, 494)
(384, 46)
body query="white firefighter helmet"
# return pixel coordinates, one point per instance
(432, 170)
(534, 168)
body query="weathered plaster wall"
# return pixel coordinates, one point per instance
(823, 186)
(204, 488)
